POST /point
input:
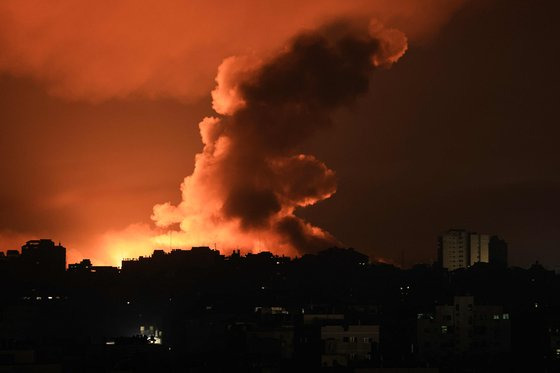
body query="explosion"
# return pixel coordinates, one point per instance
(250, 178)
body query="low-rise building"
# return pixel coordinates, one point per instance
(463, 329)
(346, 345)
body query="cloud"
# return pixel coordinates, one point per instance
(100, 50)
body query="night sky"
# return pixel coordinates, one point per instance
(99, 111)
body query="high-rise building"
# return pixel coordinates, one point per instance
(479, 251)
(454, 249)
(459, 248)
(497, 251)
(43, 257)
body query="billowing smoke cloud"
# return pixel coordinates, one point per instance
(249, 179)
(149, 49)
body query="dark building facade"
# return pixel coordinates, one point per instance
(463, 329)
(44, 257)
(498, 251)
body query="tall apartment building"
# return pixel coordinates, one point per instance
(454, 249)
(498, 251)
(459, 248)
(479, 248)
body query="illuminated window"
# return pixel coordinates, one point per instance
(444, 329)
(506, 316)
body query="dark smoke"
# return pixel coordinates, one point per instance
(269, 110)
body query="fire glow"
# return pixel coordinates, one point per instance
(249, 179)
(95, 71)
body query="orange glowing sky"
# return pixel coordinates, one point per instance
(100, 104)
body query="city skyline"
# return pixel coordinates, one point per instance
(198, 309)
(456, 249)
(281, 185)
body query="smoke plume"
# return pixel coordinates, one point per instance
(250, 179)
(162, 51)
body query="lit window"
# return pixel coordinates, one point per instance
(444, 329)
(506, 316)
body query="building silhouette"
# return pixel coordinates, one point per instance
(39, 259)
(463, 329)
(199, 310)
(44, 256)
(498, 251)
(458, 248)
(348, 345)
